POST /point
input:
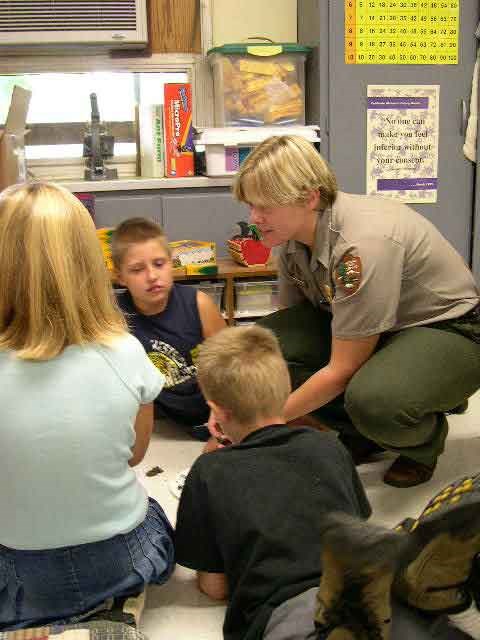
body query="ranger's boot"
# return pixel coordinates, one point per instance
(438, 571)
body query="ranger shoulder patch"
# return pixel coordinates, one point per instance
(348, 274)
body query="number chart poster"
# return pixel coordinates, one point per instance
(402, 142)
(401, 31)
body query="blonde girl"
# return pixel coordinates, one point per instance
(76, 395)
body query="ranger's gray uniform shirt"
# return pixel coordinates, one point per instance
(378, 266)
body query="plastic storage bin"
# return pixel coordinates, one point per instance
(213, 289)
(255, 298)
(227, 147)
(259, 84)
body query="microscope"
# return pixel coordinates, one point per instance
(97, 146)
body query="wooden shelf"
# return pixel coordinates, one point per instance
(229, 271)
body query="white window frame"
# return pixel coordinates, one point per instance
(195, 65)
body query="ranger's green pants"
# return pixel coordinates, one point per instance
(399, 396)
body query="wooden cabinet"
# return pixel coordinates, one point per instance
(174, 26)
(230, 272)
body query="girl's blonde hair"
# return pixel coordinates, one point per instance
(56, 290)
(282, 171)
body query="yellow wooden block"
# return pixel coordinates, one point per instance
(260, 67)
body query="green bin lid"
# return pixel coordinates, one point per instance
(260, 48)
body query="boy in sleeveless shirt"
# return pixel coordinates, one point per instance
(169, 319)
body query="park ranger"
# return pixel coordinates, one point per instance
(382, 316)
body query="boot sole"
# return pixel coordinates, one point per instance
(456, 510)
(448, 528)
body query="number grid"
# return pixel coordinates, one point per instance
(401, 31)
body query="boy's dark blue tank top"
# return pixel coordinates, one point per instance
(170, 339)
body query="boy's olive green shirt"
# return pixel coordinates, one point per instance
(379, 266)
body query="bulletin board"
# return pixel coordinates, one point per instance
(401, 31)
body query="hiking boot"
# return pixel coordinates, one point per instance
(340, 633)
(436, 567)
(358, 564)
(405, 472)
(468, 620)
(406, 525)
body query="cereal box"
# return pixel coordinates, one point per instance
(178, 130)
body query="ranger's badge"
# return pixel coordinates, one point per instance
(348, 273)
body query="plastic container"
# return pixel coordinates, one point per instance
(255, 298)
(226, 148)
(213, 289)
(259, 84)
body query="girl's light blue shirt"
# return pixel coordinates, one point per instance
(66, 436)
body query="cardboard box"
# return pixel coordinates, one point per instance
(12, 141)
(195, 256)
(152, 142)
(178, 130)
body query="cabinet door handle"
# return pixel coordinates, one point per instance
(463, 117)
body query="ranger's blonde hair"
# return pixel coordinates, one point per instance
(55, 289)
(242, 369)
(282, 171)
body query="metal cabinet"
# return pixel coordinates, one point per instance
(197, 214)
(112, 208)
(204, 216)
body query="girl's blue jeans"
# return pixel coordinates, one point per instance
(55, 585)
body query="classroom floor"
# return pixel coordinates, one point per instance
(178, 610)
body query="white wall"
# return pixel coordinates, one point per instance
(236, 20)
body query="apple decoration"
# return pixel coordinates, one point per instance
(246, 248)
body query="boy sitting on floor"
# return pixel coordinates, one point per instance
(249, 514)
(169, 319)
(252, 516)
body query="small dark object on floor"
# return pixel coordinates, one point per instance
(154, 471)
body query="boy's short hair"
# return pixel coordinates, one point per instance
(242, 369)
(133, 231)
(282, 171)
